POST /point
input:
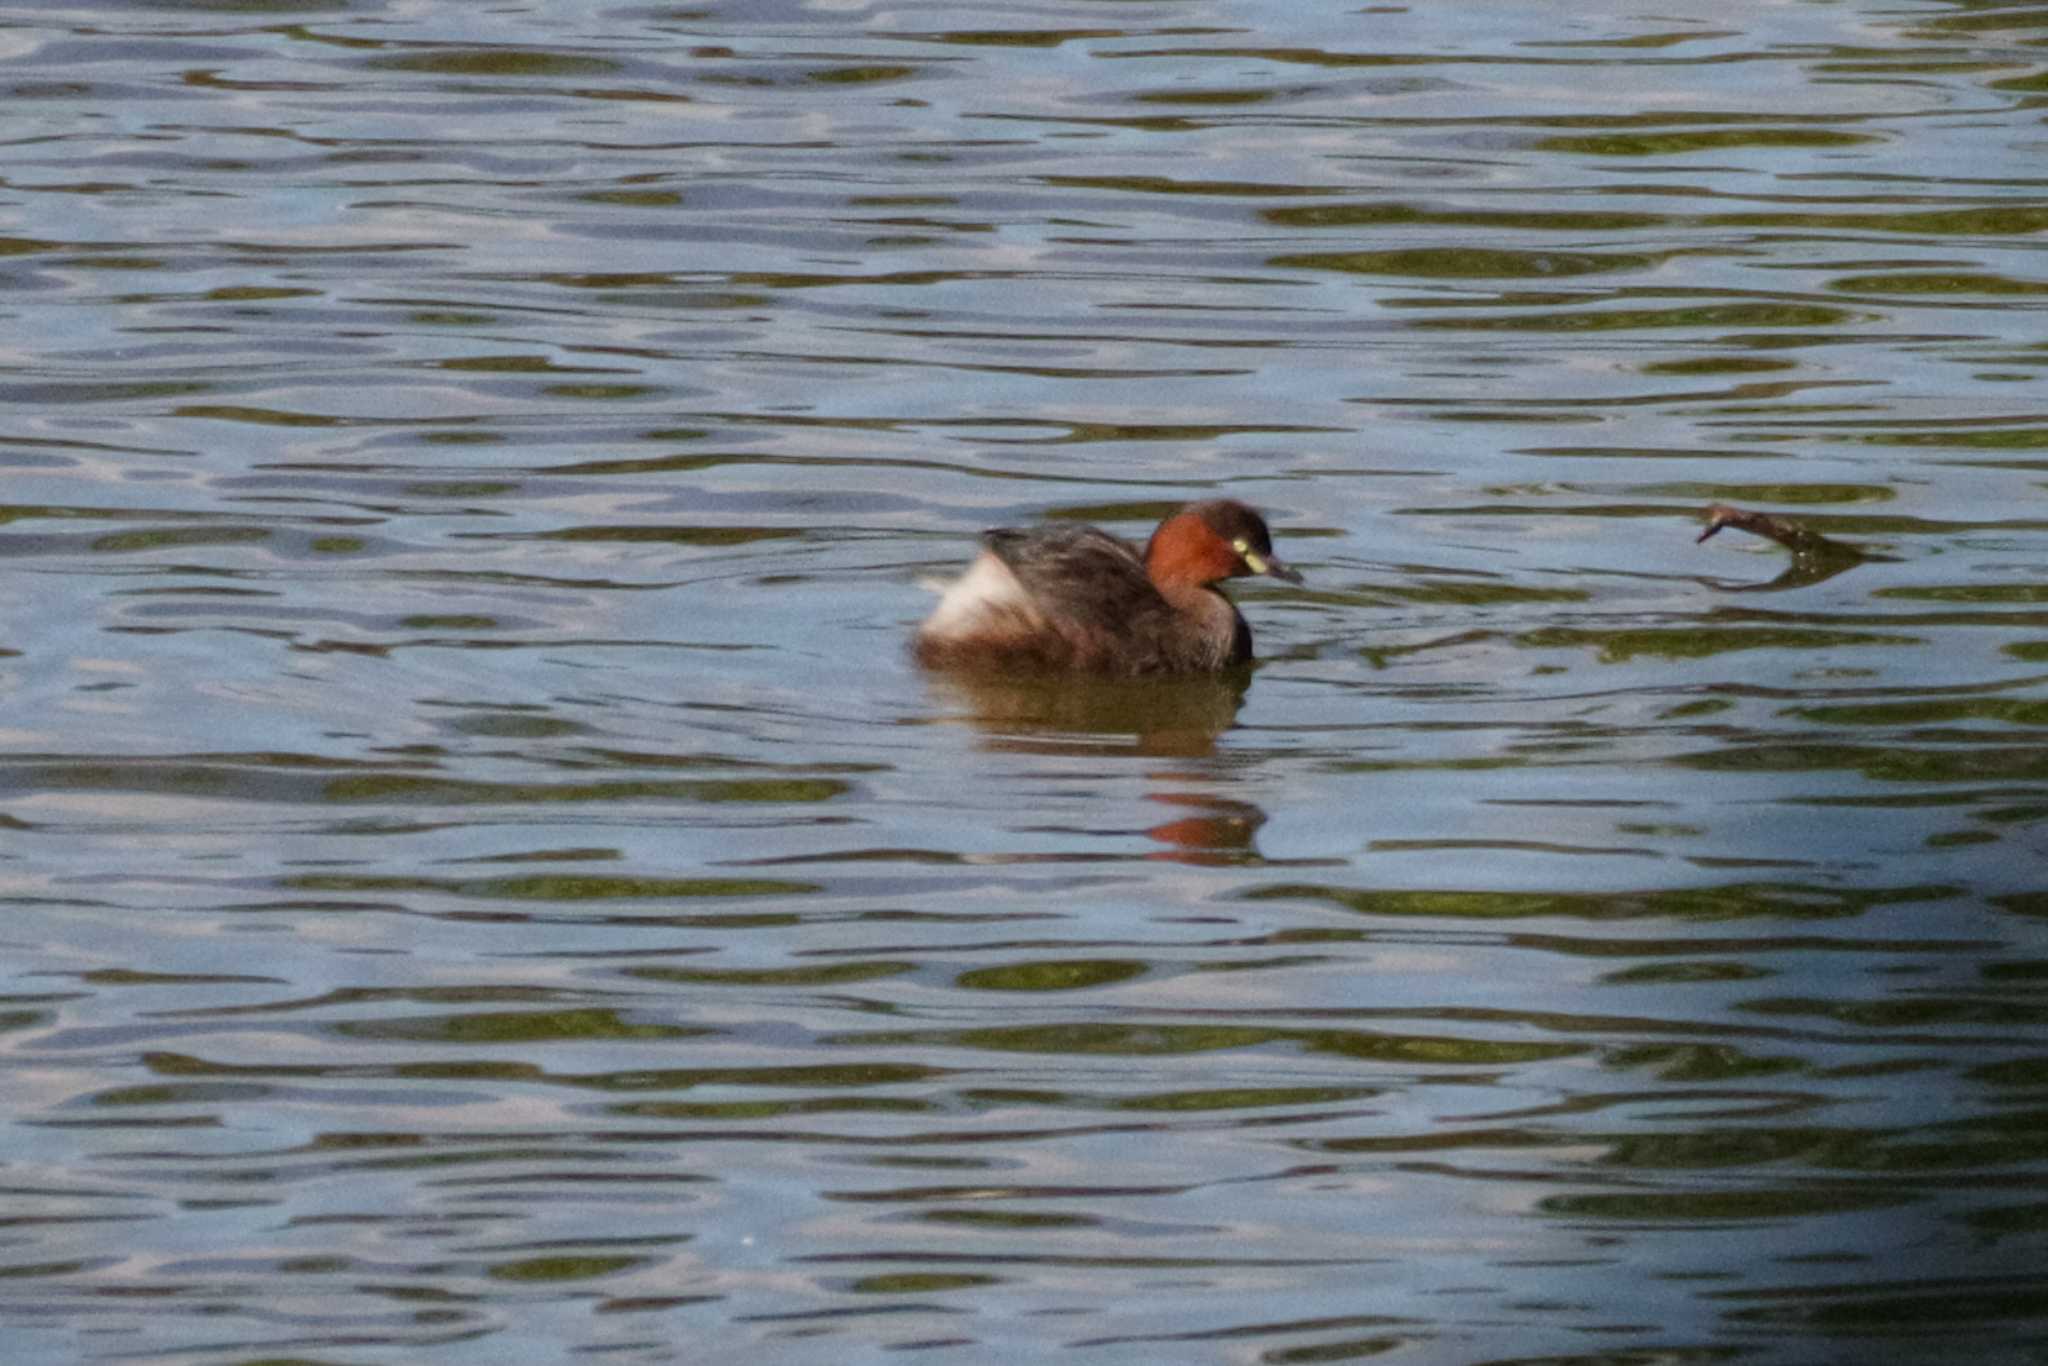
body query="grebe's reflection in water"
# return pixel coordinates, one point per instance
(1079, 716)
(1083, 714)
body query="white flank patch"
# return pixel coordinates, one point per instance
(987, 588)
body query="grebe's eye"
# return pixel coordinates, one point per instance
(1253, 560)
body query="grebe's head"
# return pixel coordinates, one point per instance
(1207, 542)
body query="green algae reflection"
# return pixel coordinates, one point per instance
(1242, 1098)
(1167, 1040)
(1938, 283)
(1682, 972)
(1700, 140)
(920, 1283)
(809, 975)
(1066, 974)
(2023, 594)
(1880, 763)
(1995, 220)
(1696, 1062)
(1718, 365)
(1637, 319)
(872, 74)
(1159, 184)
(1013, 1220)
(1775, 1204)
(731, 1111)
(175, 538)
(554, 887)
(2011, 711)
(1384, 214)
(1468, 263)
(511, 1027)
(1730, 901)
(804, 1077)
(1698, 642)
(497, 61)
(564, 1268)
(412, 789)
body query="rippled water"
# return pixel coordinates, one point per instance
(483, 880)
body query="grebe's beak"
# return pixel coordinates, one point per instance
(1270, 564)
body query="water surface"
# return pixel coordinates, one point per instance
(483, 880)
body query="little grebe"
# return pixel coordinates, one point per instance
(1074, 597)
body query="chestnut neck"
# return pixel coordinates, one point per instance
(1185, 552)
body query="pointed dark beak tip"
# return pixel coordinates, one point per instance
(1283, 571)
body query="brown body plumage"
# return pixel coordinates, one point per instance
(1077, 598)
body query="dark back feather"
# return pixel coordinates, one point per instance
(1079, 574)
